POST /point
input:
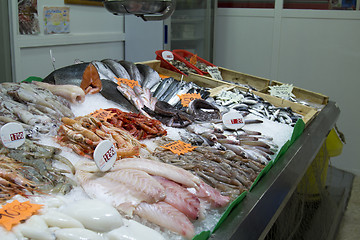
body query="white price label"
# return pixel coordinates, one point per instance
(167, 55)
(105, 155)
(233, 120)
(12, 135)
(214, 72)
(283, 91)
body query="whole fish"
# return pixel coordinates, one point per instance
(172, 89)
(116, 68)
(72, 74)
(162, 87)
(110, 92)
(150, 76)
(132, 70)
(105, 73)
(174, 99)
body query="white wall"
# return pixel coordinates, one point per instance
(315, 50)
(95, 34)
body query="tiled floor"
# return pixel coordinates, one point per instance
(350, 225)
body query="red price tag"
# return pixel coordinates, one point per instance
(16, 136)
(14, 212)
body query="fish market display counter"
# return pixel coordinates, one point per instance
(255, 215)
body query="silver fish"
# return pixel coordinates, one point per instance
(116, 68)
(150, 76)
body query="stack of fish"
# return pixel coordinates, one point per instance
(158, 192)
(251, 103)
(34, 107)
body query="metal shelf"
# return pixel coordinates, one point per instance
(255, 215)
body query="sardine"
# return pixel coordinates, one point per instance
(162, 87)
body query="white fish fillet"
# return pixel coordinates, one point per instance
(144, 185)
(152, 167)
(166, 216)
(112, 192)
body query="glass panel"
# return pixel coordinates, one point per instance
(192, 27)
(320, 4)
(246, 4)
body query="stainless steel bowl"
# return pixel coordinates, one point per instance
(156, 10)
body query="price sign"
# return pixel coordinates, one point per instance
(163, 76)
(105, 155)
(233, 120)
(179, 147)
(214, 72)
(14, 212)
(129, 82)
(188, 97)
(283, 91)
(12, 135)
(193, 59)
(167, 55)
(102, 114)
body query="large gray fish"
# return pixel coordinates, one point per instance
(116, 68)
(104, 71)
(151, 77)
(132, 70)
(110, 92)
(72, 75)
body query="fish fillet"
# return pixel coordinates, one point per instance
(211, 195)
(143, 185)
(167, 216)
(152, 167)
(112, 192)
(180, 198)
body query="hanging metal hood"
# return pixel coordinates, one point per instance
(148, 10)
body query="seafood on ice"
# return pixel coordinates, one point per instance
(83, 219)
(245, 143)
(72, 93)
(30, 169)
(223, 170)
(160, 193)
(84, 133)
(248, 102)
(34, 107)
(138, 125)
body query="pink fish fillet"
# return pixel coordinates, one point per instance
(143, 185)
(167, 216)
(180, 198)
(156, 168)
(211, 195)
